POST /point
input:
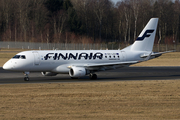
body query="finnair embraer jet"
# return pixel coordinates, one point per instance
(78, 63)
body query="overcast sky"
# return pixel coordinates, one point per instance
(115, 1)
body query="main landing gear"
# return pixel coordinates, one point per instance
(26, 78)
(92, 76)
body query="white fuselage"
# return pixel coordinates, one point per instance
(58, 61)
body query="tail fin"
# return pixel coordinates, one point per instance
(145, 40)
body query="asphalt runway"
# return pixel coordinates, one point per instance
(124, 74)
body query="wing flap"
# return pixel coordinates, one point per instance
(111, 64)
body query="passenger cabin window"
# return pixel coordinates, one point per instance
(19, 57)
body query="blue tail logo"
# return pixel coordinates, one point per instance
(146, 34)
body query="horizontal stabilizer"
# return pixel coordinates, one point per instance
(156, 54)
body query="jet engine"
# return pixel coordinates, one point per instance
(48, 74)
(77, 72)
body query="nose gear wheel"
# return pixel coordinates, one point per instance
(26, 78)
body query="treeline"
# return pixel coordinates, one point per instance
(87, 21)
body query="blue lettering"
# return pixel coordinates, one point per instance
(98, 55)
(72, 56)
(47, 56)
(90, 56)
(85, 55)
(58, 56)
(55, 56)
(63, 57)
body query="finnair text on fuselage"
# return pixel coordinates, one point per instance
(75, 56)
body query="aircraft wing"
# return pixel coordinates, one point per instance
(111, 64)
(105, 66)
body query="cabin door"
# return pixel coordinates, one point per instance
(36, 58)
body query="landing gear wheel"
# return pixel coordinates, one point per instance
(93, 76)
(26, 78)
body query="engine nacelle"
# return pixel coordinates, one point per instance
(48, 74)
(77, 72)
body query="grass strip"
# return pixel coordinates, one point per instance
(157, 100)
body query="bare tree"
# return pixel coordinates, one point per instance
(61, 17)
(127, 14)
(120, 18)
(135, 7)
(32, 20)
(83, 10)
(100, 7)
(176, 19)
(7, 11)
(38, 19)
(22, 12)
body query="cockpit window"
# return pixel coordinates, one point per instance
(23, 57)
(19, 57)
(16, 57)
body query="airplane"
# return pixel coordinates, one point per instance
(79, 63)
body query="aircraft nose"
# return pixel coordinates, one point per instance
(7, 66)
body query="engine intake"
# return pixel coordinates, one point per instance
(77, 72)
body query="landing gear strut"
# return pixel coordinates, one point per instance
(92, 76)
(26, 78)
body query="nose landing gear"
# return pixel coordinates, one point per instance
(26, 78)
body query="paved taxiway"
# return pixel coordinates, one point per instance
(131, 73)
